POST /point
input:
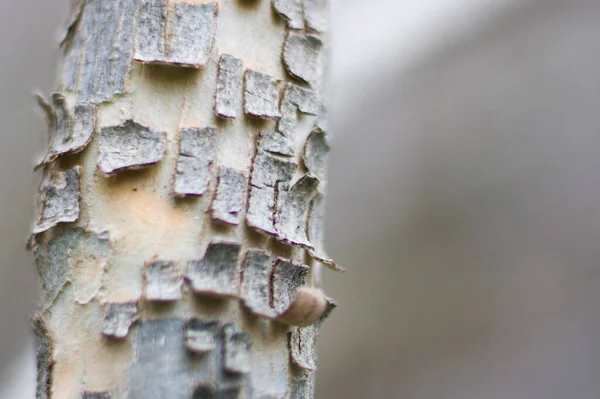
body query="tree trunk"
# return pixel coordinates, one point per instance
(179, 227)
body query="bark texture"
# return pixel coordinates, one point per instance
(179, 229)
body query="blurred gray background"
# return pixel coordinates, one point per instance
(464, 197)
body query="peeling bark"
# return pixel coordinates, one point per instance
(58, 199)
(302, 57)
(291, 11)
(261, 95)
(193, 174)
(228, 97)
(154, 282)
(217, 273)
(230, 196)
(130, 146)
(175, 33)
(162, 282)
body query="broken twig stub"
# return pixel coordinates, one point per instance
(58, 200)
(130, 146)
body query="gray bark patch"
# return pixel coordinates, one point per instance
(58, 200)
(269, 173)
(292, 211)
(268, 170)
(130, 146)
(302, 342)
(261, 95)
(302, 57)
(217, 273)
(230, 78)
(162, 281)
(95, 395)
(98, 57)
(71, 130)
(161, 355)
(228, 203)
(286, 279)
(261, 210)
(119, 318)
(316, 233)
(196, 154)
(296, 98)
(201, 336)
(74, 246)
(302, 385)
(316, 150)
(291, 11)
(277, 143)
(316, 14)
(237, 350)
(44, 360)
(179, 34)
(255, 291)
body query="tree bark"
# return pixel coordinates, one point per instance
(179, 230)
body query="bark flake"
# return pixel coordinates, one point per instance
(255, 291)
(58, 201)
(162, 281)
(217, 273)
(315, 153)
(230, 79)
(230, 196)
(196, 155)
(291, 12)
(119, 318)
(261, 95)
(292, 211)
(302, 57)
(130, 146)
(71, 129)
(175, 33)
(99, 55)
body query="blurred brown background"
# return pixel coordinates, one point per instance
(464, 197)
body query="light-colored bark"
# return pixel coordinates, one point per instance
(179, 228)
